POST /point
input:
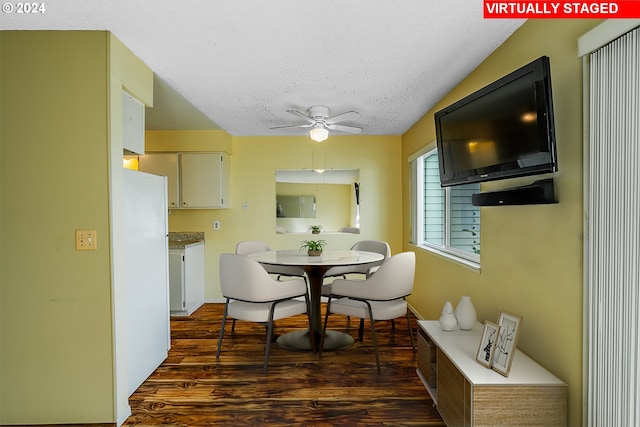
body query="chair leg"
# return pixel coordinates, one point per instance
(361, 331)
(266, 329)
(413, 346)
(373, 333)
(224, 320)
(269, 333)
(233, 326)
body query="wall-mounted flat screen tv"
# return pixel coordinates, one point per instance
(503, 130)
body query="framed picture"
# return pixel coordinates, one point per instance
(509, 325)
(487, 344)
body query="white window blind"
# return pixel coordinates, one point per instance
(444, 218)
(465, 219)
(433, 202)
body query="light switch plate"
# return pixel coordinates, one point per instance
(86, 240)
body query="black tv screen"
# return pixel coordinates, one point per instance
(503, 130)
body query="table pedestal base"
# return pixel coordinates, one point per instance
(299, 341)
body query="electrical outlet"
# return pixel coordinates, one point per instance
(86, 240)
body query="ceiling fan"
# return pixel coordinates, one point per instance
(320, 123)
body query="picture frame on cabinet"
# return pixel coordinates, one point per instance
(509, 328)
(487, 346)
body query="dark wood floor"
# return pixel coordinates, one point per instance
(191, 388)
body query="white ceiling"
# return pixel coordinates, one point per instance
(242, 63)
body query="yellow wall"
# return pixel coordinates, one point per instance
(531, 260)
(254, 161)
(187, 140)
(56, 315)
(58, 361)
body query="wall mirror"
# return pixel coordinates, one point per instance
(295, 206)
(306, 197)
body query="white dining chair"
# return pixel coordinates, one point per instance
(249, 247)
(377, 246)
(379, 297)
(254, 296)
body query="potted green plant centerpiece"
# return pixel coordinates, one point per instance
(313, 247)
(315, 229)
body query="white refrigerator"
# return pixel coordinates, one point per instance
(147, 275)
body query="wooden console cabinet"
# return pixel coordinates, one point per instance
(468, 394)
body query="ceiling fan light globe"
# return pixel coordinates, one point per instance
(318, 134)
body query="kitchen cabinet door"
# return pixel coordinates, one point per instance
(164, 164)
(132, 124)
(186, 278)
(204, 180)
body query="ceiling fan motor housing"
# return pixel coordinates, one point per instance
(319, 113)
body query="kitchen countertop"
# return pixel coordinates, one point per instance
(185, 239)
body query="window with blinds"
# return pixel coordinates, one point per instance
(464, 230)
(444, 218)
(433, 209)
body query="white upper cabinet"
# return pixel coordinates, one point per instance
(204, 180)
(194, 180)
(132, 124)
(165, 164)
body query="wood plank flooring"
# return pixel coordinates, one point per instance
(191, 388)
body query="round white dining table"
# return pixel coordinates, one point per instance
(315, 267)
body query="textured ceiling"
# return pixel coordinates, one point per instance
(243, 63)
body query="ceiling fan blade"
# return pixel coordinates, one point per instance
(347, 129)
(301, 115)
(292, 126)
(349, 115)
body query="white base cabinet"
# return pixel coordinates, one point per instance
(186, 279)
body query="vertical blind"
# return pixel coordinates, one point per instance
(613, 235)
